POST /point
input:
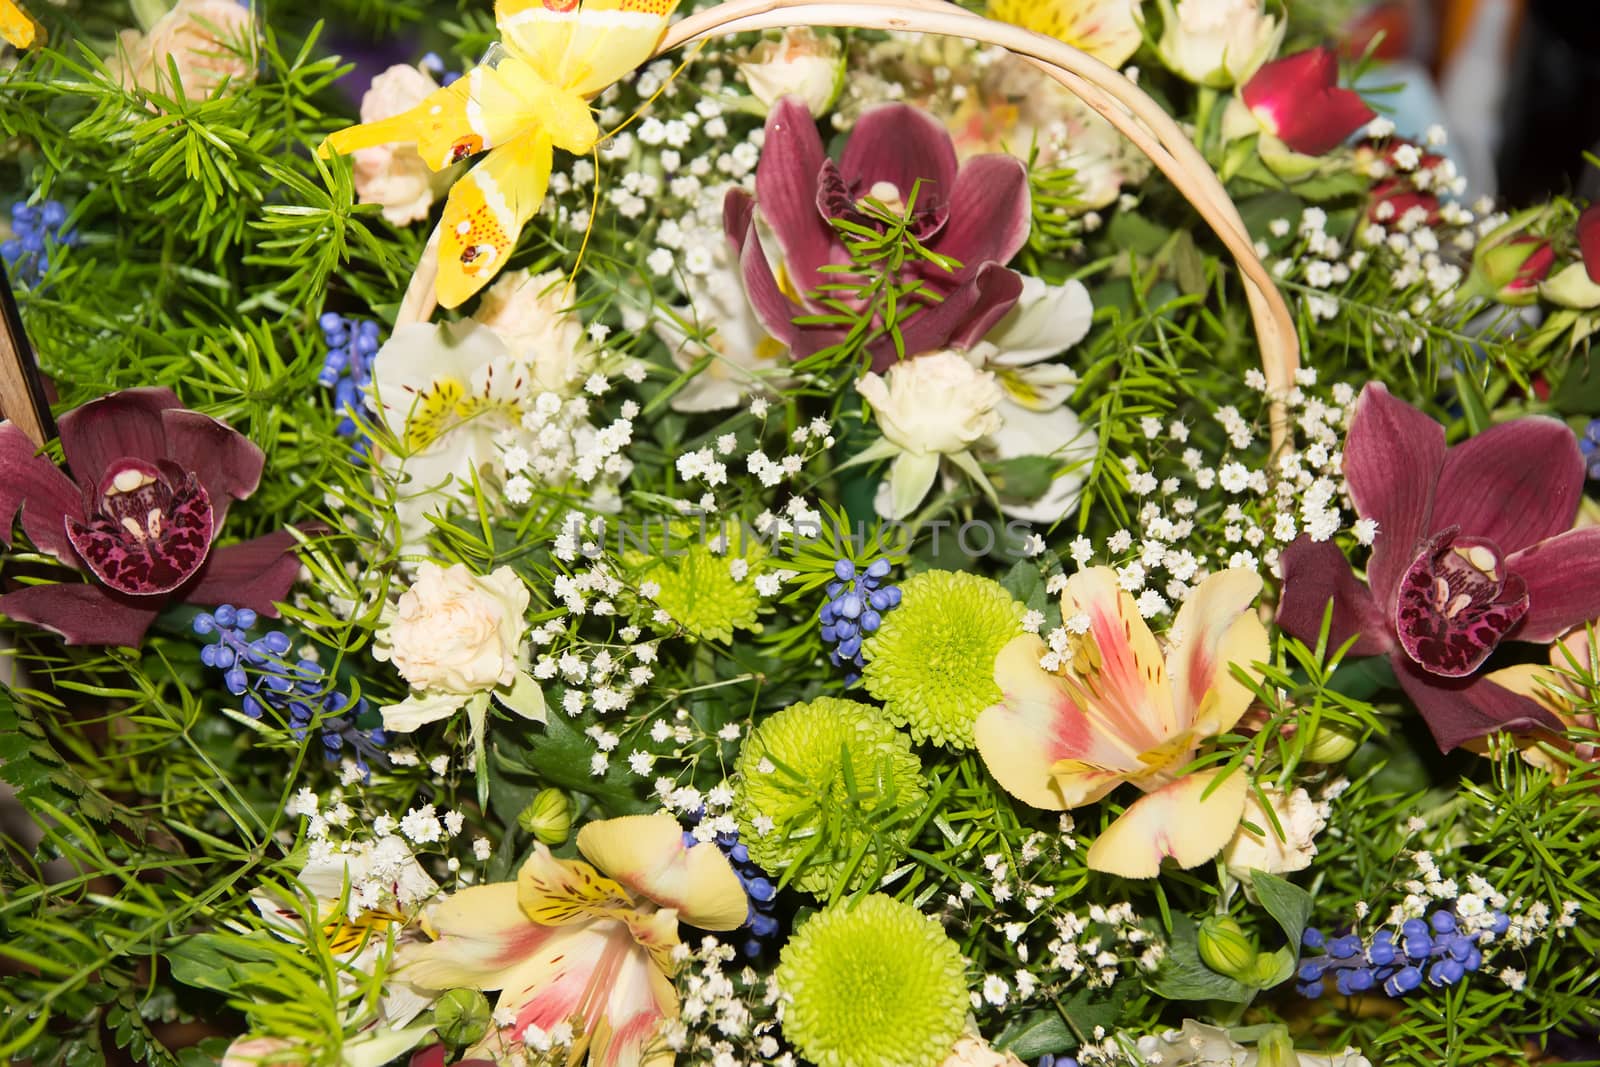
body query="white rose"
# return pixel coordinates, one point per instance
(532, 314)
(934, 403)
(1301, 819)
(394, 175)
(1218, 42)
(457, 632)
(209, 40)
(801, 63)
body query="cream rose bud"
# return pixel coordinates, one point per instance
(1300, 819)
(210, 41)
(457, 632)
(532, 314)
(1218, 43)
(801, 63)
(933, 403)
(394, 176)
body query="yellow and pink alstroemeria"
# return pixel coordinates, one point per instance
(564, 943)
(1117, 712)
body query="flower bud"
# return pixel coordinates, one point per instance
(1276, 1049)
(1226, 948)
(1217, 42)
(802, 63)
(549, 817)
(1332, 743)
(1509, 264)
(1297, 99)
(1570, 287)
(461, 1016)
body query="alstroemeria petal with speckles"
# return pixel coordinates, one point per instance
(1037, 726)
(1216, 629)
(1133, 697)
(1178, 821)
(647, 855)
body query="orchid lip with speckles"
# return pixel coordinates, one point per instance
(149, 487)
(1475, 547)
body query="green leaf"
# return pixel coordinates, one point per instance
(1024, 477)
(1289, 906)
(561, 758)
(1184, 975)
(1137, 234)
(1058, 1029)
(220, 962)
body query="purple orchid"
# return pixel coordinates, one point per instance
(1475, 546)
(977, 214)
(151, 484)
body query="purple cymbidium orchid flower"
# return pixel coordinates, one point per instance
(976, 214)
(149, 489)
(1475, 546)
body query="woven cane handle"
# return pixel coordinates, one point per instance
(1118, 100)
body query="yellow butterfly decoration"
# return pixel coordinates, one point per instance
(16, 27)
(529, 95)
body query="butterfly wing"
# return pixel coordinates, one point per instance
(478, 111)
(583, 47)
(486, 212)
(16, 28)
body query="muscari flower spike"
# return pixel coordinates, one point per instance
(37, 229)
(255, 670)
(932, 661)
(1589, 445)
(347, 369)
(873, 984)
(1438, 951)
(761, 927)
(857, 601)
(822, 773)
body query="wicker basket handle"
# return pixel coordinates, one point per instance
(1118, 100)
(1128, 108)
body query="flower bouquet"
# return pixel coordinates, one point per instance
(889, 534)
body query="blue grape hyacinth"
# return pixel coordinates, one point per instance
(761, 927)
(255, 670)
(857, 601)
(1436, 950)
(352, 343)
(36, 228)
(1589, 445)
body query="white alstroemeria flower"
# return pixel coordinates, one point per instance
(1199, 1045)
(363, 894)
(1035, 420)
(444, 390)
(719, 322)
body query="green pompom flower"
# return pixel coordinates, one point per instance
(877, 984)
(822, 789)
(932, 661)
(710, 594)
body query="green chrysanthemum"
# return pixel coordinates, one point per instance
(822, 789)
(932, 661)
(877, 984)
(698, 587)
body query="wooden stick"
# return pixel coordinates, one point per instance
(21, 389)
